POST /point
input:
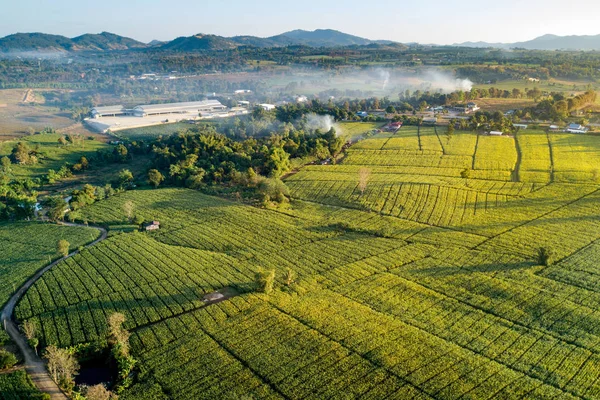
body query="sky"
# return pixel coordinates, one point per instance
(431, 21)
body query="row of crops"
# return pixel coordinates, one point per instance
(384, 303)
(26, 247)
(17, 385)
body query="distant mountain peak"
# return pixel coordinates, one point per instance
(546, 42)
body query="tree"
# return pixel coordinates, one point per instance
(289, 277)
(272, 190)
(264, 280)
(544, 256)
(129, 210)
(62, 366)
(155, 178)
(57, 207)
(125, 177)
(29, 329)
(62, 141)
(117, 334)
(138, 220)
(98, 392)
(390, 109)
(63, 247)
(278, 162)
(364, 175)
(7, 359)
(5, 164)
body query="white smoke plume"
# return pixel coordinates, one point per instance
(324, 123)
(385, 77)
(444, 82)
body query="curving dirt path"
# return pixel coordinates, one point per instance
(36, 368)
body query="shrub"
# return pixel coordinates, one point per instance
(544, 256)
(7, 359)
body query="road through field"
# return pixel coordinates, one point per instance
(36, 368)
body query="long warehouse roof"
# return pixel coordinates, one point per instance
(189, 104)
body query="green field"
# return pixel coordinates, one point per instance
(52, 154)
(152, 132)
(17, 386)
(28, 246)
(423, 284)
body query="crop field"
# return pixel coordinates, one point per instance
(353, 130)
(411, 280)
(16, 386)
(27, 247)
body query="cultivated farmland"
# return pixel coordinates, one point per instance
(420, 281)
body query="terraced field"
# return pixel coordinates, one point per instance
(422, 283)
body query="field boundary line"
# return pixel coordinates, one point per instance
(551, 150)
(475, 151)
(517, 170)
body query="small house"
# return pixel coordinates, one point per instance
(520, 126)
(554, 128)
(267, 107)
(496, 133)
(576, 128)
(152, 226)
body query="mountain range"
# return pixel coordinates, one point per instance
(106, 41)
(546, 42)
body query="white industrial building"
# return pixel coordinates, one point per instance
(109, 111)
(114, 118)
(194, 108)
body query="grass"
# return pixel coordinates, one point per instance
(53, 155)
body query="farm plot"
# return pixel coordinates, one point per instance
(27, 247)
(536, 165)
(576, 157)
(17, 385)
(407, 138)
(495, 153)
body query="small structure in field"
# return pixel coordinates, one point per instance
(393, 126)
(576, 128)
(520, 126)
(210, 297)
(495, 133)
(152, 226)
(267, 107)
(554, 128)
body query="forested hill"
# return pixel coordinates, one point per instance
(44, 42)
(107, 41)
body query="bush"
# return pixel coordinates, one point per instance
(7, 359)
(264, 280)
(544, 257)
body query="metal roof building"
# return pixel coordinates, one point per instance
(192, 107)
(109, 111)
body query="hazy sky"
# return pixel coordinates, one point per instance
(432, 21)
